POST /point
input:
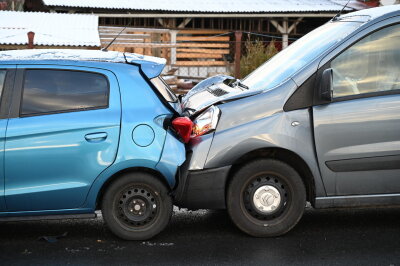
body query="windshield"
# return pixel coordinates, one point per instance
(287, 62)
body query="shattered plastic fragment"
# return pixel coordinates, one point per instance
(53, 239)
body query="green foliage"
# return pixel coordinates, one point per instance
(256, 54)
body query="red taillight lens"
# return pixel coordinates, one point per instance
(183, 126)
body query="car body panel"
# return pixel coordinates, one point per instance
(3, 126)
(68, 195)
(264, 128)
(8, 83)
(212, 91)
(81, 210)
(371, 115)
(58, 161)
(173, 155)
(130, 155)
(261, 122)
(200, 146)
(359, 129)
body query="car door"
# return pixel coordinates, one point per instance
(7, 74)
(357, 135)
(62, 133)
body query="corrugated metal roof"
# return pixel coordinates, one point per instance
(50, 29)
(207, 6)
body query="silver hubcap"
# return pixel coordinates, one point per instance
(266, 199)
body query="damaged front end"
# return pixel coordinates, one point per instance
(199, 110)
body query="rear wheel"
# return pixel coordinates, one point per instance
(136, 206)
(266, 198)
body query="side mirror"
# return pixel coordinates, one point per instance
(326, 84)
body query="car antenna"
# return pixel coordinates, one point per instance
(336, 17)
(112, 41)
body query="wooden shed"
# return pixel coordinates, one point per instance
(198, 37)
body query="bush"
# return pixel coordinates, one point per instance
(256, 54)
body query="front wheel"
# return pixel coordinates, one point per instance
(266, 198)
(136, 206)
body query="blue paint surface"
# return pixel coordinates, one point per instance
(58, 163)
(143, 135)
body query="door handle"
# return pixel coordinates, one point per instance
(96, 137)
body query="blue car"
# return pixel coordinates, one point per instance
(87, 130)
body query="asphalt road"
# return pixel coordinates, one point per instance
(329, 237)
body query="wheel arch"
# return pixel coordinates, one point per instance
(118, 174)
(284, 155)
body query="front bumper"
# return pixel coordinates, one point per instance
(201, 189)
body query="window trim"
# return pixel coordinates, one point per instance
(365, 95)
(22, 88)
(368, 94)
(296, 103)
(327, 65)
(5, 97)
(168, 89)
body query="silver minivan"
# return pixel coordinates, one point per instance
(319, 122)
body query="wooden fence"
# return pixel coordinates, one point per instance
(183, 49)
(202, 48)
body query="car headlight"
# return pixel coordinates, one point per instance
(206, 122)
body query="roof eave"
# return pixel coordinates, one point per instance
(216, 15)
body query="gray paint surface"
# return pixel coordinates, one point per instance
(360, 128)
(352, 129)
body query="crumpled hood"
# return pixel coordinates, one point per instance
(213, 90)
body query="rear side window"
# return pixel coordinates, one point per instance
(52, 91)
(163, 88)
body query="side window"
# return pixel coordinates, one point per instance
(52, 91)
(370, 65)
(2, 80)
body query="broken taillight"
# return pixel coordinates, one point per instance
(183, 126)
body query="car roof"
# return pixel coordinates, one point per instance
(376, 12)
(151, 66)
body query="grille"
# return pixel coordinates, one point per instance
(217, 92)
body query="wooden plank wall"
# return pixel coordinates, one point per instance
(201, 48)
(193, 47)
(145, 41)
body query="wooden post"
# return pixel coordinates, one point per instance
(31, 36)
(238, 52)
(285, 33)
(155, 38)
(285, 29)
(173, 34)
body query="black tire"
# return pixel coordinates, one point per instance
(261, 179)
(136, 206)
